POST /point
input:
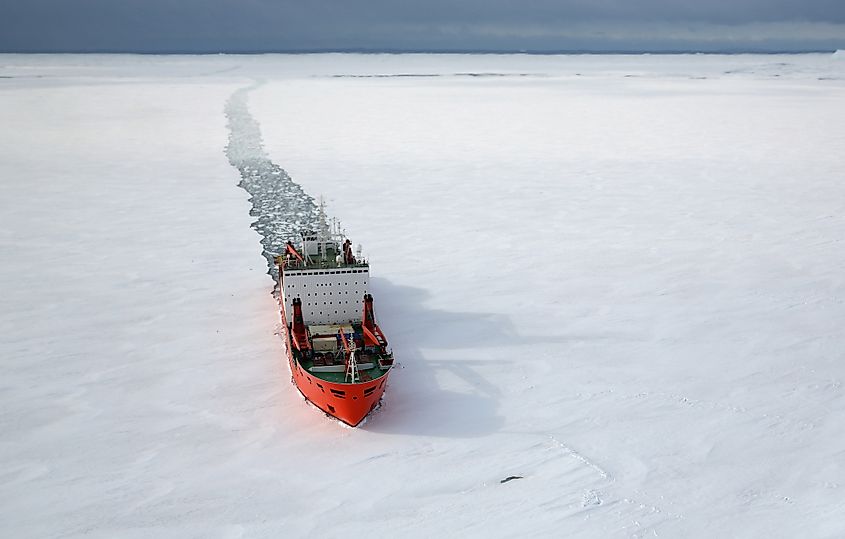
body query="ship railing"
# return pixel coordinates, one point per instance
(322, 264)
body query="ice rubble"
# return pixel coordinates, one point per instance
(281, 207)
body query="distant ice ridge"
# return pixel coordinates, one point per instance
(282, 208)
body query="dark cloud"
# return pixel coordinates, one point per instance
(257, 25)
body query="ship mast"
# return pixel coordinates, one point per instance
(352, 368)
(349, 348)
(322, 229)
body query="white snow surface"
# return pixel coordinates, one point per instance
(618, 277)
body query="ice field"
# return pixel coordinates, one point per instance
(618, 278)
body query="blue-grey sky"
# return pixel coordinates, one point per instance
(533, 25)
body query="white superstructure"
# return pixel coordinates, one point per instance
(329, 295)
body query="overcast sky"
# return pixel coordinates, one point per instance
(532, 25)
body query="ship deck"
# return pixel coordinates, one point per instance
(318, 262)
(339, 377)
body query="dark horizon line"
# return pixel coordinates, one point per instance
(362, 50)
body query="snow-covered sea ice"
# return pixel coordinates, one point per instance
(615, 278)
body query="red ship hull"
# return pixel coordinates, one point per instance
(349, 403)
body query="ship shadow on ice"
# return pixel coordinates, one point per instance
(415, 401)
